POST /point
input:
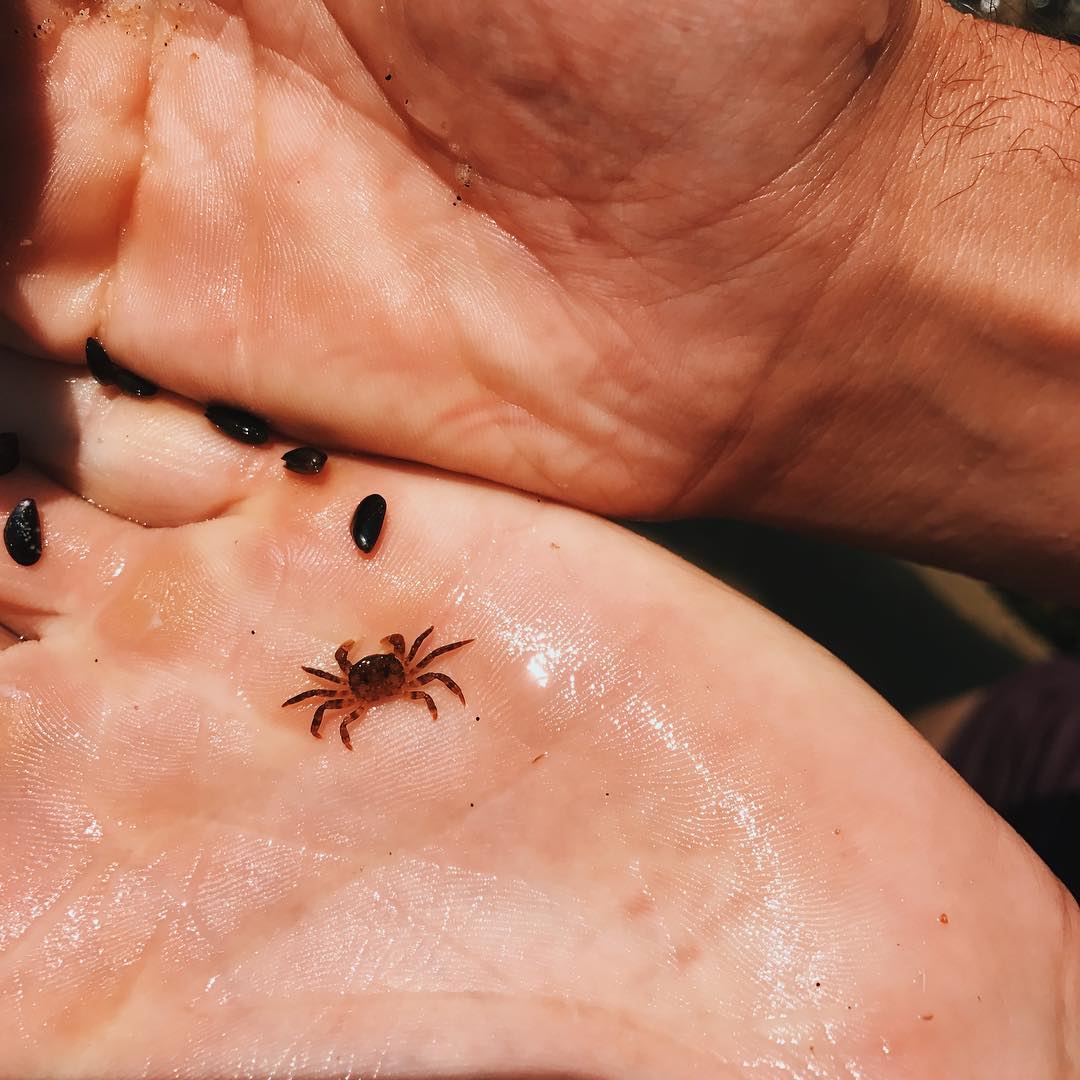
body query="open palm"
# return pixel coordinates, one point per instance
(556, 244)
(668, 837)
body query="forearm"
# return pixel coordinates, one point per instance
(950, 432)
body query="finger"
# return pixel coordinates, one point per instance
(81, 548)
(157, 460)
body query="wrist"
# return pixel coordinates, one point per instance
(948, 432)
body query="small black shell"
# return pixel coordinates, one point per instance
(99, 363)
(109, 373)
(132, 384)
(9, 452)
(367, 522)
(237, 424)
(22, 533)
(304, 459)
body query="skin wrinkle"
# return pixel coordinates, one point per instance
(728, 443)
(621, 1018)
(522, 449)
(557, 85)
(97, 869)
(241, 392)
(969, 135)
(25, 610)
(739, 428)
(37, 928)
(546, 96)
(528, 449)
(111, 266)
(442, 940)
(258, 41)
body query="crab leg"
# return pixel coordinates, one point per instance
(316, 720)
(310, 694)
(396, 642)
(321, 674)
(344, 729)
(438, 676)
(418, 694)
(417, 643)
(342, 655)
(441, 651)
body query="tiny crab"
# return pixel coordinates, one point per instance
(377, 678)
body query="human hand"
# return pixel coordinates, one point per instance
(529, 255)
(680, 840)
(643, 258)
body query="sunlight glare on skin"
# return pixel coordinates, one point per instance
(552, 650)
(539, 666)
(118, 567)
(12, 695)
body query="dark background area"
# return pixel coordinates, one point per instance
(1052, 18)
(908, 640)
(924, 639)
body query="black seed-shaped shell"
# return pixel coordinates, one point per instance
(22, 533)
(238, 424)
(99, 363)
(132, 384)
(9, 452)
(304, 459)
(109, 373)
(367, 522)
